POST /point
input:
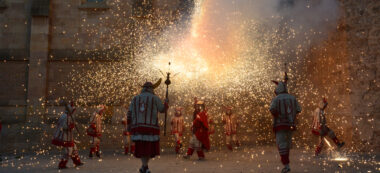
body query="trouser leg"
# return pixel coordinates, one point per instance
(320, 146)
(62, 164)
(200, 153)
(144, 166)
(178, 142)
(75, 156)
(332, 136)
(235, 140)
(126, 144)
(190, 150)
(283, 140)
(228, 142)
(93, 147)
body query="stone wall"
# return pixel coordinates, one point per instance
(362, 25)
(14, 44)
(345, 69)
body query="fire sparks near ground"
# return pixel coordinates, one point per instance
(336, 155)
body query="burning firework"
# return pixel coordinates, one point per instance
(224, 52)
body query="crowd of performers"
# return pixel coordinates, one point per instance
(141, 128)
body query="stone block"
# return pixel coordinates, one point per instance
(62, 41)
(374, 8)
(12, 114)
(12, 82)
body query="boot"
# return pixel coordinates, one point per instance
(92, 151)
(133, 147)
(144, 169)
(98, 154)
(237, 143)
(97, 151)
(340, 145)
(76, 160)
(337, 143)
(285, 169)
(62, 164)
(126, 150)
(229, 146)
(190, 152)
(201, 155)
(318, 150)
(178, 147)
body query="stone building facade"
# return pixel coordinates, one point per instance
(40, 41)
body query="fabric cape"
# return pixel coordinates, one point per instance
(201, 125)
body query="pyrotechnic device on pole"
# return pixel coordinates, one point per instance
(167, 83)
(286, 78)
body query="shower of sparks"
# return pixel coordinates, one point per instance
(225, 55)
(337, 156)
(221, 51)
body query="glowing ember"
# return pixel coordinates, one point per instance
(340, 159)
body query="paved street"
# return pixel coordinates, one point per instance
(259, 159)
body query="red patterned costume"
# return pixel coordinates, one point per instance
(321, 129)
(200, 138)
(177, 126)
(231, 123)
(95, 130)
(128, 144)
(64, 137)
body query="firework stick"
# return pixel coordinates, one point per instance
(167, 82)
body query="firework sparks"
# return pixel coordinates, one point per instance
(337, 156)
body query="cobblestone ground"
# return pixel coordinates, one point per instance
(258, 159)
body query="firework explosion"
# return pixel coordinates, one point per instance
(224, 51)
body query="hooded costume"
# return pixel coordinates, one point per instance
(200, 128)
(284, 108)
(231, 123)
(177, 126)
(143, 122)
(320, 128)
(95, 130)
(64, 137)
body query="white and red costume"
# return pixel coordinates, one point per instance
(320, 128)
(64, 137)
(95, 130)
(200, 137)
(128, 144)
(143, 123)
(231, 123)
(177, 126)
